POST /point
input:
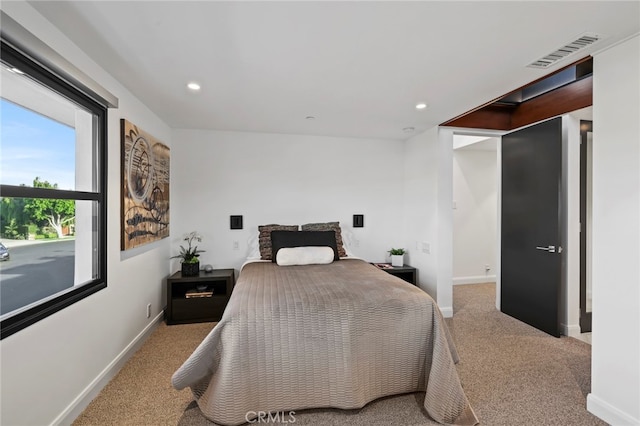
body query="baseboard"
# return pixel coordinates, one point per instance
(93, 389)
(447, 311)
(609, 413)
(478, 279)
(570, 330)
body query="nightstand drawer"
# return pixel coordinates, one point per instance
(202, 308)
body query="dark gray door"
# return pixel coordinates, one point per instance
(531, 264)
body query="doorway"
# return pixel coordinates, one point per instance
(475, 188)
(570, 315)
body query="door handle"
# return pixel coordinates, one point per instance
(550, 249)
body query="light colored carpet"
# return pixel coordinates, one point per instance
(513, 375)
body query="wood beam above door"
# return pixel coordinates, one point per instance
(505, 114)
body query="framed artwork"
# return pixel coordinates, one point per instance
(145, 187)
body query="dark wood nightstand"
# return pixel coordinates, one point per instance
(406, 272)
(201, 298)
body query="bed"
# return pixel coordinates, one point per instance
(338, 334)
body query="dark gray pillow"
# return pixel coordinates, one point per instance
(281, 239)
(264, 238)
(328, 226)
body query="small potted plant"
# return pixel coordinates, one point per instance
(189, 256)
(397, 256)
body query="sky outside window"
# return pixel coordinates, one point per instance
(32, 145)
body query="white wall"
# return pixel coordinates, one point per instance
(52, 368)
(615, 356)
(285, 179)
(420, 192)
(428, 162)
(474, 215)
(445, 221)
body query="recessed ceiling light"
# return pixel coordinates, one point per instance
(193, 86)
(310, 117)
(421, 105)
(408, 129)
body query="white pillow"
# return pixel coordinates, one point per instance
(289, 256)
(253, 248)
(348, 241)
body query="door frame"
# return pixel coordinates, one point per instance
(585, 177)
(489, 133)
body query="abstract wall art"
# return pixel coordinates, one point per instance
(145, 187)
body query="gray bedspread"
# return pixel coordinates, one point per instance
(337, 335)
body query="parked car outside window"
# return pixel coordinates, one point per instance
(4, 252)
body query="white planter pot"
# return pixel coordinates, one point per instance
(397, 260)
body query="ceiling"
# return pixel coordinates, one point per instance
(358, 68)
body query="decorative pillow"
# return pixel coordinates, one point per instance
(288, 256)
(264, 237)
(328, 226)
(280, 239)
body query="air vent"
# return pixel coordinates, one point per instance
(583, 41)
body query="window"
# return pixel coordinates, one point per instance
(52, 192)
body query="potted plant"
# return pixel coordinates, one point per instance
(397, 256)
(189, 256)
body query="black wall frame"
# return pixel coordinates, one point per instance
(235, 222)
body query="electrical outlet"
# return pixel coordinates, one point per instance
(149, 310)
(487, 268)
(236, 245)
